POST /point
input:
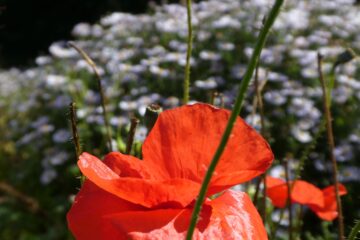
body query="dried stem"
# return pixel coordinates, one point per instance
(259, 102)
(101, 90)
(74, 130)
(289, 188)
(188, 54)
(134, 123)
(234, 114)
(31, 203)
(75, 135)
(330, 137)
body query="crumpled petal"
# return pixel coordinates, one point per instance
(307, 193)
(302, 192)
(329, 211)
(146, 192)
(183, 141)
(86, 216)
(230, 216)
(276, 190)
(322, 202)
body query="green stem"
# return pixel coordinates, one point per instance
(331, 143)
(354, 231)
(188, 54)
(234, 114)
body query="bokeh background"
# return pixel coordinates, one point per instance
(140, 48)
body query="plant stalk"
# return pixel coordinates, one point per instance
(234, 114)
(101, 89)
(188, 54)
(130, 141)
(331, 143)
(288, 201)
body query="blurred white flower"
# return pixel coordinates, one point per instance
(81, 30)
(301, 135)
(59, 50)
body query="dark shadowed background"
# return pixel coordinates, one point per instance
(28, 27)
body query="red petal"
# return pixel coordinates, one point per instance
(272, 182)
(86, 216)
(276, 190)
(231, 216)
(328, 212)
(306, 193)
(302, 192)
(129, 166)
(148, 193)
(183, 142)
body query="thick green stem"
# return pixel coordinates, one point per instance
(188, 54)
(331, 143)
(234, 114)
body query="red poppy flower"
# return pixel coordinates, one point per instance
(127, 198)
(322, 202)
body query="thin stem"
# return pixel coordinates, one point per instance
(101, 90)
(259, 102)
(31, 203)
(354, 231)
(134, 123)
(188, 54)
(299, 217)
(289, 188)
(75, 135)
(330, 137)
(234, 114)
(74, 130)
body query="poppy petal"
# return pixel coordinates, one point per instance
(272, 181)
(306, 193)
(85, 218)
(183, 141)
(148, 193)
(328, 211)
(129, 166)
(231, 216)
(302, 192)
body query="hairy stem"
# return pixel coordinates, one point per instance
(130, 141)
(75, 135)
(188, 54)
(331, 143)
(288, 201)
(234, 114)
(258, 91)
(101, 90)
